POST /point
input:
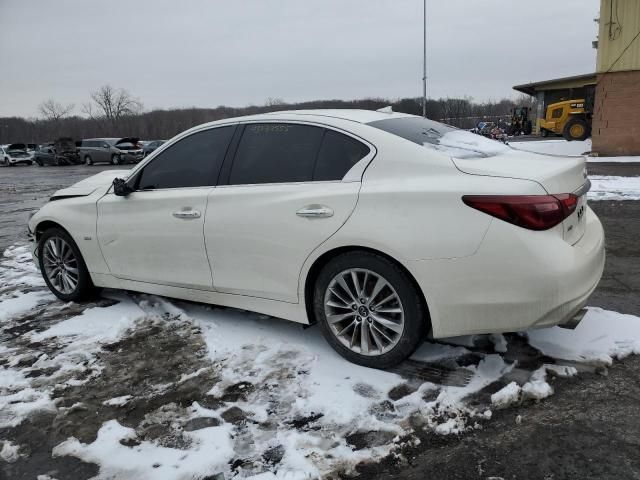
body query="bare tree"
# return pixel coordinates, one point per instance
(52, 110)
(112, 104)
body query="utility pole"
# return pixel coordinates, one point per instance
(424, 59)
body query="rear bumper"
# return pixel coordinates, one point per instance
(517, 280)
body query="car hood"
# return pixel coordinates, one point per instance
(89, 185)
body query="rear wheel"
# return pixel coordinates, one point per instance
(544, 132)
(88, 160)
(115, 159)
(369, 310)
(576, 129)
(63, 267)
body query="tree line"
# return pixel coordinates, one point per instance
(113, 112)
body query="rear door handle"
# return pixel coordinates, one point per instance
(315, 211)
(187, 213)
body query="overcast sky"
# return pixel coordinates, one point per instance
(182, 53)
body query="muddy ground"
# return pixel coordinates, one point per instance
(589, 429)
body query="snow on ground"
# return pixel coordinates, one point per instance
(614, 188)
(264, 398)
(560, 146)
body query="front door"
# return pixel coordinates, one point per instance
(155, 234)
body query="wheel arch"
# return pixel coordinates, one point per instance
(45, 225)
(326, 257)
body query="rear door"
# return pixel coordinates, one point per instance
(155, 234)
(282, 196)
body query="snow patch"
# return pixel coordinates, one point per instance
(9, 452)
(211, 454)
(614, 188)
(601, 336)
(557, 146)
(118, 401)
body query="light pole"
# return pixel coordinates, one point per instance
(424, 59)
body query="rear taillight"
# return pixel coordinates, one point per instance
(535, 212)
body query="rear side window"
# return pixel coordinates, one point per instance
(194, 161)
(338, 154)
(276, 153)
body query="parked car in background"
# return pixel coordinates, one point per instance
(115, 151)
(61, 152)
(151, 146)
(16, 154)
(380, 227)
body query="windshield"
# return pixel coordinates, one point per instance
(438, 136)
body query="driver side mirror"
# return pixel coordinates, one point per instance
(105, 146)
(121, 188)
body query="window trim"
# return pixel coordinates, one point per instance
(137, 172)
(354, 174)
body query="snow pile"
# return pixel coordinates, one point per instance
(614, 188)
(506, 396)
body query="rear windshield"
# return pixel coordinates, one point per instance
(415, 129)
(444, 138)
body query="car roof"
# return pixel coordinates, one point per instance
(352, 115)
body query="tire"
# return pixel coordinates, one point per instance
(115, 159)
(88, 160)
(544, 133)
(408, 319)
(576, 129)
(63, 288)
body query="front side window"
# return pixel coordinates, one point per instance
(194, 161)
(276, 153)
(556, 113)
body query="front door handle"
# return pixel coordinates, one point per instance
(187, 213)
(315, 211)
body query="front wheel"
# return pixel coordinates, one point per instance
(88, 160)
(63, 267)
(369, 310)
(115, 159)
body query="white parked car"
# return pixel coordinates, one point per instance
(380, 227)
(15, 154)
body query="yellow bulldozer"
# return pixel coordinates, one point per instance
(569, 118)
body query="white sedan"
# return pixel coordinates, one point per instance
(380, 227)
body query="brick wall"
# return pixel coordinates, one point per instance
(616, 119)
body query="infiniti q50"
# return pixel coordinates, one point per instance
(380, 227)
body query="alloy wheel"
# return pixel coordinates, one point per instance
(364, 312)
(60, 265)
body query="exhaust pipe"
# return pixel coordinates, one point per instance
(573, 322)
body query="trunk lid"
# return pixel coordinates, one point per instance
(555, 174)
